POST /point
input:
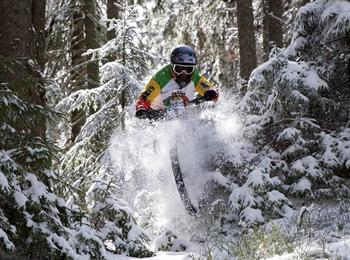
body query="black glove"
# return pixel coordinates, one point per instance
(211, 95)
(148, 113)
(141, 113)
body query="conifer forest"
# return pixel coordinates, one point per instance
(174, 129)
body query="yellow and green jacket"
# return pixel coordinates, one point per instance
(162, 86)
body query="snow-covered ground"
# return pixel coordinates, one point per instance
(159, 256)
(316, 232)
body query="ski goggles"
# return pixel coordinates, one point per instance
(178, 69)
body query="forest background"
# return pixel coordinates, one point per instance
(70, 71)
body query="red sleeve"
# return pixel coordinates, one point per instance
(142, 103)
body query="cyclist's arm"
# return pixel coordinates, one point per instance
(202, 84)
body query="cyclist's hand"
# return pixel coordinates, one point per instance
(211, 94)
(142, 113)
(149, 114)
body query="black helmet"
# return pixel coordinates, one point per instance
(183, 55)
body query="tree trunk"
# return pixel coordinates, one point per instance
(22, 38)
(91, 40)
(38, 17)
(78, 74)
(265, 32)
(77, 48)
(246, 35)
(227, 71)
(112, 13)
(273, 31)
(123, 98)
(304, 2)
(275, 22)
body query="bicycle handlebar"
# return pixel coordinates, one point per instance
(160, 114)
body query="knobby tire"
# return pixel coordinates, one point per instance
(180, 184)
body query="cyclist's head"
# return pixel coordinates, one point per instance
(183, 55)
(183, 61)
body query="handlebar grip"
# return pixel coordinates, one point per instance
(197, 101)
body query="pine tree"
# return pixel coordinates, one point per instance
(120, 82)
(292, 101)
(87, 176)
(34, 222)
(32, 217)
(67, 47)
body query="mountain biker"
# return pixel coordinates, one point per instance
(178, 80)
